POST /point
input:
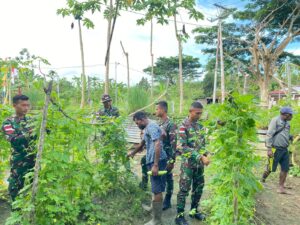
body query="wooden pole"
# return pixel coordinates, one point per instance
(127, 61)
(83, 80)
(37, 167)
(216, 69)
(222, 64)
(152, 58)
(180, 78)
(106, 85)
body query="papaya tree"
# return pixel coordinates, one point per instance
(78, 10)
(164, 12)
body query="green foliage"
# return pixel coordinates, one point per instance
(78, 9)
(5, 111)
(163, 10)
(233, 183)
(295, 171)
(81, 163)
(137, 99)
(167, 69)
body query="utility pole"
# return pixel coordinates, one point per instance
(216, 70)
(116, 84)
(224, 13)
(127, 60)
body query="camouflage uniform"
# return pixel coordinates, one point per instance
(169, 139)
(111, 112)
(192, 169)
(23, 156)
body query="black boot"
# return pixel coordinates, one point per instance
(167, 201)
(144, 183)
(180, 220)
(197, 215)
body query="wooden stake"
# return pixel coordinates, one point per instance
(37, 167)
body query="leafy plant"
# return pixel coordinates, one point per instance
(233, 183)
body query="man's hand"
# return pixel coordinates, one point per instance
(130, 154)
(270, 152)
(204, 160)
(170, 167)
(154, 170)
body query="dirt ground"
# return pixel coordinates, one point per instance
(271, 208)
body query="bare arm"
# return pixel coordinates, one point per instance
(138, 148)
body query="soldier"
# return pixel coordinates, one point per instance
(156, 160)
(169, 145)
(192, 165)
(18, 131)
(108, 109)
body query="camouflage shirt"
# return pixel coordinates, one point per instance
(17, 133)
(169, 138)
(111, 112)
(191, 141)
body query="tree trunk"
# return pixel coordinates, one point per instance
(106, 86)
(37, 167)
(263, 85)
(245, 89)
(152, 58)
(83, 81)
(180, 66)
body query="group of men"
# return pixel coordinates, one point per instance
(161, 151)
(162, 147)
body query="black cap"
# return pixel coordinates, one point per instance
(106, 98)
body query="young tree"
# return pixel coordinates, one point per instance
(258, 38)
(77, 10)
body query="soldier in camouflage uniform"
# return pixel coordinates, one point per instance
(169, 145)
(18, 131)
(108, 109)
(192, 165)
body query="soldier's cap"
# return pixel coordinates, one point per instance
(286, 110)
(106, 98)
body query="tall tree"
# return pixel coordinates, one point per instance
(163, 11)
(166, 68)
(77, 10)
(257, 38)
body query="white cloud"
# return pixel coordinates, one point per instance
(33, 24)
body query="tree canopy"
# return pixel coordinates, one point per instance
(166, 69)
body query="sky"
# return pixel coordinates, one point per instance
(34, 24)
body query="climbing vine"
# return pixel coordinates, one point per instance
(233, 183)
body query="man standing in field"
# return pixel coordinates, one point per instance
(278, 140)
(18, 131)
(108, 109)
(169, 140)
(156, 160)
(192, 165)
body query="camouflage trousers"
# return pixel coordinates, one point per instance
(169, 177)
(191, 177)
(17, 175)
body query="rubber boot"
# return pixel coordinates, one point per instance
(167, 201)
(144, 183)
(180, 220)
(156, 214)
(147, 207)
(196, 215)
